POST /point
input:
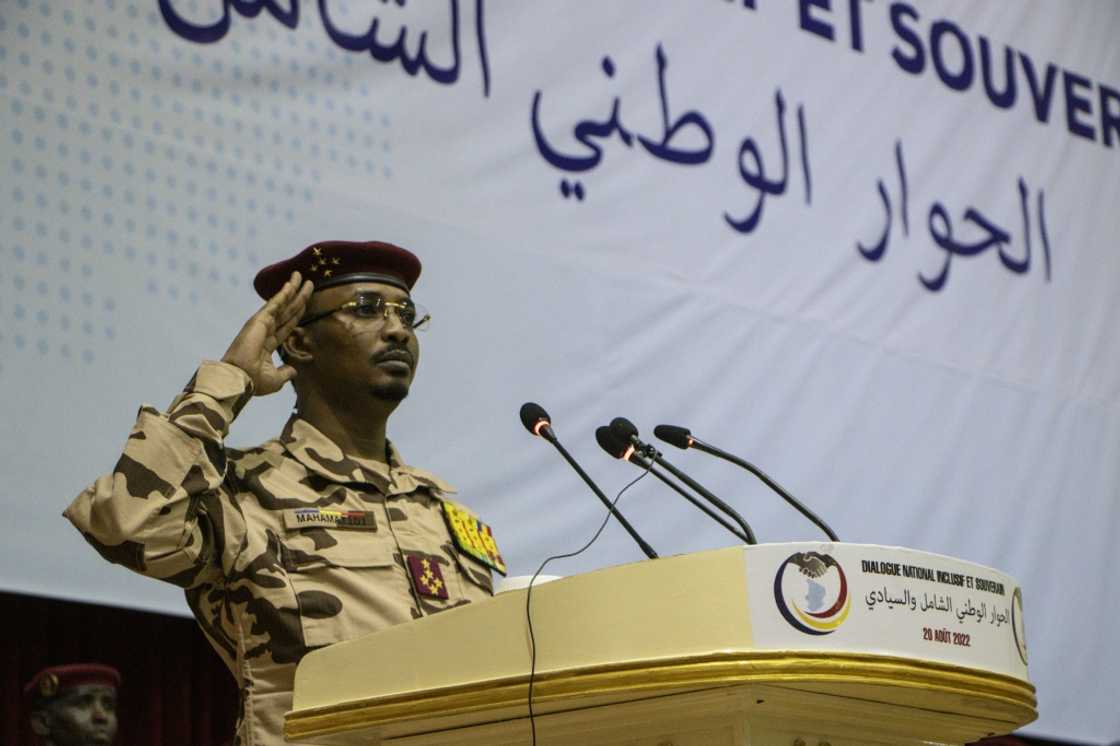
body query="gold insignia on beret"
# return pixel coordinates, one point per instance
(320, 262)
(48, 685)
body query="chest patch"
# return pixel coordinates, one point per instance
(318, 517)
(427, 578)
(472, 536)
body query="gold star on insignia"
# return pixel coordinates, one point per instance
(336, 260)
(317, 251)
(327, 273)
(436, 585)
(427, 565)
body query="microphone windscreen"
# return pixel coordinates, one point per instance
(623, 429)
(674, 435)
(532, 414)
(609, 443)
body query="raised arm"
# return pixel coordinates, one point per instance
(165, 511)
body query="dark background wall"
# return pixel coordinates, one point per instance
(176, 691)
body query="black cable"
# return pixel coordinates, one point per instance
(529, 595)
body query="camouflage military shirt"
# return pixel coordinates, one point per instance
(282, 548)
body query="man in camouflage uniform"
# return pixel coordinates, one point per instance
(73, 705)
(321, 534)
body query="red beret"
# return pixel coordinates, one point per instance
(330, 263)
(50, 682)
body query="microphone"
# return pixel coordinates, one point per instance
(682, 437)
(623, 429)
(627, 452)
(616, 449)
(537, 422)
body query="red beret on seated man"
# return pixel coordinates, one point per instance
(74, 705)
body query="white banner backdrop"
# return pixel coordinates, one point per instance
(867, 245)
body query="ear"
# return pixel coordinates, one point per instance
(298, 348)
(41, 722)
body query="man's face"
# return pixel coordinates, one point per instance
(355, 353)
(84, 715)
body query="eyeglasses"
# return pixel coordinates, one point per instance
(372, 306)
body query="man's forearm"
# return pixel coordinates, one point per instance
(151, 513)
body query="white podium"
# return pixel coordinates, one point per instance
(802, 644)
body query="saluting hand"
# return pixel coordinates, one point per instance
(266, 330)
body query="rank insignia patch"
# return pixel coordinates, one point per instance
(427, 577)
(323, 518)
(472, 536)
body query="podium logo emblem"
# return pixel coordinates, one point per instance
(811, 592)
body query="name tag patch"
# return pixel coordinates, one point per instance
(318, 517)
(472, 536)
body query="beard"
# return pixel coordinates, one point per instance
(391, 391)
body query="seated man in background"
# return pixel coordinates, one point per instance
(321, 534)
(74, 705)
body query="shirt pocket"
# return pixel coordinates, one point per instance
(347, 583)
